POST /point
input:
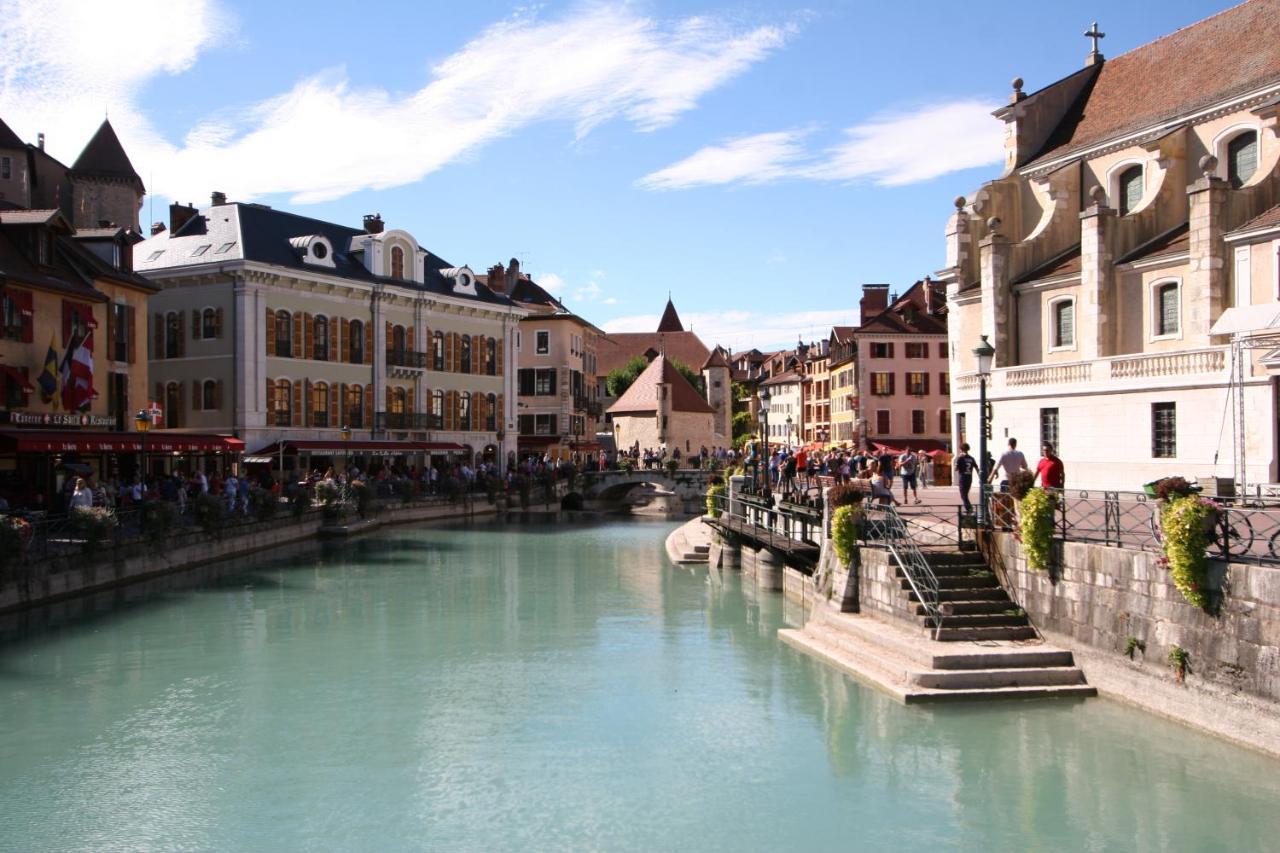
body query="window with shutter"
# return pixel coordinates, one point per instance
(271, 332)
(270, 399)
(368, 344)
(197, 399)
(297, 336)
(1242, 158)
(308, 335)
(157, 336)
(297, 404)
(131, 331)
(1130, 186)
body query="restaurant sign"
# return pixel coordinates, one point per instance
(61, 420)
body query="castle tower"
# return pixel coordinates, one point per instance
(670, 321)
(719, 383)
(104, 185)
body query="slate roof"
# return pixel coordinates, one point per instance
(670, 321)
(1229, 54)
(240, 231)
(1267, 219)
(617, 348)
(9, 139)
(642, 396)
(1063, 263)
(104, 155)
(1171, 242)
(22, 216)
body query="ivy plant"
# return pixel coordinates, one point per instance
(1035, 513)
(713, 507)
(1186, 525)
(846, 524)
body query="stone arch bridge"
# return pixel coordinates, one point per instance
(688, 484)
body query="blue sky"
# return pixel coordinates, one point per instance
(758, 161)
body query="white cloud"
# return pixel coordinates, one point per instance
(550, 282)
(589, 292)
(610, 301)
(893, 150)
(755, 159)
(324, 138)
(742, 330)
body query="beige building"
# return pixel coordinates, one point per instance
(1126, 245)
(662, 411)
(785, 418)
(842, 368)
(817, 395)
(285, 329)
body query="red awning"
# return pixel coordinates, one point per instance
(930, 446)
(16, 375)
(358, 446)
(42, 441)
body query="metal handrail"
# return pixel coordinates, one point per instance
(885, 520)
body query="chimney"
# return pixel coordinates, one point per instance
(179, 215)
(40, 141)
(513, 275)
(930, 295)
(875, 298)
(218, 198)
(497, 279)
(373, 223)
(157, 228)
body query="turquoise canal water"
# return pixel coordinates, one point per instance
(525, 688)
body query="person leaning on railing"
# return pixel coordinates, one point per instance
(881, 487)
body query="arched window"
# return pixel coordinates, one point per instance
(284, 402)
(355, 406)
(209, 396)
(491, 357)
(208, 324)
(321, 338)
(437, 409)
(491, 412)
(396, 343)
(284, 335)
(395, 408)
(437, 352)
(320, 404)
(1063, 315)
(172, 334)
(356, 342)
(464, 410)
(1167, 309)
(173, 414)
(1242, 158)
(397, 262)
(464, 358)
(1130, 189)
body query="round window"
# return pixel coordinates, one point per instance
(320, 250)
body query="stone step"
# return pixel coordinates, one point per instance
(952, 635)
(963, 582)
(702, 549)
(954, 571)
(959, 608)
(983, 620)
(972, 679)
(983, 694)
(950, 556)
(994, 593)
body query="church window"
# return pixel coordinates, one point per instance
(1130, 185)
(1063, 313)
(1166, 309)
(1242, 158)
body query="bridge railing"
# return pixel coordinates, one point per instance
(884, 525)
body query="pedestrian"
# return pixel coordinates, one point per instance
(907, 472)
(81, 496)
(887, 460)
(924, 469)
(965, 465)
(881, 486)
(1050, 470)
(1011, 462)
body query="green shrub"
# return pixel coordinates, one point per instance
(299, 500)
(363, 497)
(717, 490)
(1132, 645)
(265, 505)
(93, 525)
(845, 494)
(157, 520)
(673, 465)
(1020, 483)
(1180, 660)
(1186, 526)
(1035, 518)
(14, 535)
(209, 512)
(846, 526)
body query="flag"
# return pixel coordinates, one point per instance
(77, 373)
(48, 380)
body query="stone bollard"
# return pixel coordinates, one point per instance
(768, 570)
(736, 484)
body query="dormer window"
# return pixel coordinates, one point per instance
(320, 251)
(1130, 189)
(1242, 158)
(312, 248)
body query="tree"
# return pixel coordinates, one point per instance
(620, 378)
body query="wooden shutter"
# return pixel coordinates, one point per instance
(389, 337)
(499, 369)
(217, 323)
(368, 403)
(926, 384)
(217, 395)
(157, 336)
(891, 377)
(111, 332)
(448, 351)
(182, 339)
(297, 335)
(457, 353)
(159, 398)
(298, 404)
(368, 344)
(271, 402)
(501, 420)
(179, 416)
(410, 343)
(131, 332)
(336, 393)
(306, 402)
(308, 336)
(337, 334)
(408, 402)
(197, 399)
(271, 333)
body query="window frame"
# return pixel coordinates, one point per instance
(1235, 181)
(355, 344)
(542, 342)
(1164, 446)
(1050, 425)
(919, 422)
(208, 323)
(284, 342)
(1154, 292)
(320, 342)
(1116, 184)
(209, 395)
(1053, 306)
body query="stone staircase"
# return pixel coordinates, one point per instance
(974, 605)
(689, 544)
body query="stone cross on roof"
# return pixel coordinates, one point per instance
(1094, 33)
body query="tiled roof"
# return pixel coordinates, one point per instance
(22, 216)
(104, 155)
(786, 378)
(1063, 263)
(1171, 242)
(616, 349)
(642, 396)
(1266, 219)
(907, 315)
(1229, 54)
(716, 359)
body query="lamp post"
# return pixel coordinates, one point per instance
(788, 432)
(762, 458)
(983, 352)
(142, 423)
(346, 451)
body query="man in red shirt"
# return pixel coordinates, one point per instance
(1050, 471)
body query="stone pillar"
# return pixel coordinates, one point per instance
(379, 355)
(736, 484)
(1205, 289)
(1095, 314)
(768, 570)
(993, 254)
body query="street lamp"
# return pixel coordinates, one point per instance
(762, 457)
(142, 423)
(346, 451)
(983, 352)
(788, 432)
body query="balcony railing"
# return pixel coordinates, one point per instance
(406, 359)
(412, 421)
(1198, 362)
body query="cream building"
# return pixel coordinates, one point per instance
(786, 408)
(843, 370)
(285, 329)
(1130, 234)
(661, 410)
